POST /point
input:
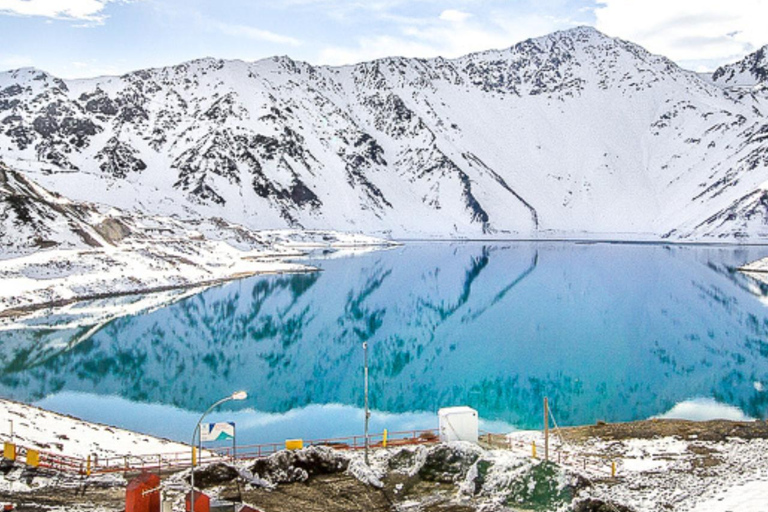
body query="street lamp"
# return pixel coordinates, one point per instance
(237, 395)
(367, 411)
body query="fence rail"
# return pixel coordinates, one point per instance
(597, 465)
(594, 464)
(94, 465)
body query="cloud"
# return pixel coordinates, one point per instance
(454, 15)
(691, 32)
(249, 32)
(449, 35)
(15, 61)
(84, 10)
(704, 409)
(375, 47)
(92, 68)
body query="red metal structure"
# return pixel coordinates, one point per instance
(202, 502)
(143, 494)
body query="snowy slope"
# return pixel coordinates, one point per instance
(55, 251)
(573, 134)
(748, 72)
(44, 430)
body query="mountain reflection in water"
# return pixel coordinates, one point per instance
(607, 331)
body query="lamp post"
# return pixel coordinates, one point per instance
(367, 412)
(238, 395)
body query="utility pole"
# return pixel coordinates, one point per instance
(546, 429)
(367, 413)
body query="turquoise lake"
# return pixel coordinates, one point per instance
(610, 332)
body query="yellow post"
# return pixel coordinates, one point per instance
(33, 458)
(9, 451)
(533, 448)
(384, 440)
(294, 444)
(194, 456)
(613, 468)
(88, 466)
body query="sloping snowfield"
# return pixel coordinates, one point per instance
(57, 433)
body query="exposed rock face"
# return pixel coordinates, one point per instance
(215, 474)
(32, 218)
(299, 466)
(565, 135)
(750, 71)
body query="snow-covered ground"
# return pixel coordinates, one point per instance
(758, 270)
(62, 276)
(667, 473)
(66, 275)
(32, 427)
(314, 239)
(747, 497)
(97, 312)
(670, 473)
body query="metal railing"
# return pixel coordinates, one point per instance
(595, 464)
(94, 465)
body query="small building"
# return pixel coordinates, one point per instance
(458, 424)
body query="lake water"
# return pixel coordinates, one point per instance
(609, 332)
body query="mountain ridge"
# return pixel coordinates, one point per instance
(566, 135)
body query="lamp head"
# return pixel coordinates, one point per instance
(239, 395)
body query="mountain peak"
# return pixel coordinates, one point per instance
(26, 73)
(542, 137)
(582, 30)
(579, 34)
(752, 70)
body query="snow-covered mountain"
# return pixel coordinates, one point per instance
(750, 71)
(96, 250)
(573, 134)
(32, 218)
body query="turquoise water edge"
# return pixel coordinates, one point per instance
(612, 332)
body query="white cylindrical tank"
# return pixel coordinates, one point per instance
(458, 424)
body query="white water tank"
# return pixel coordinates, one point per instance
(458, 424)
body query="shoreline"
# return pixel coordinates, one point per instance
(710, 430)
(16, 312)
(616, 241)
(705, 430)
